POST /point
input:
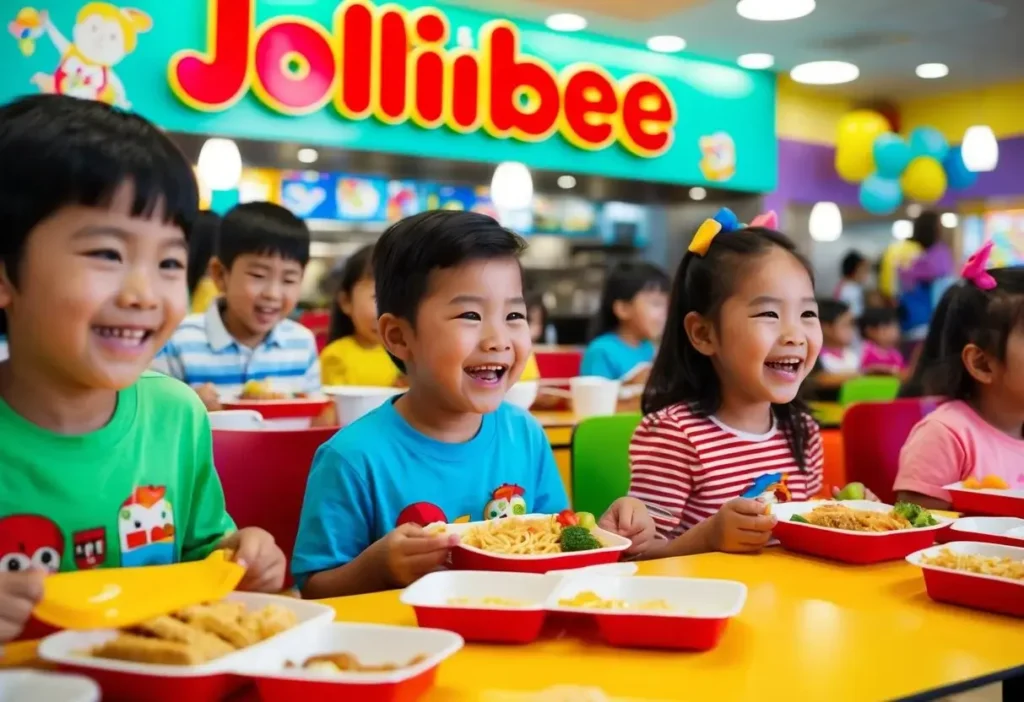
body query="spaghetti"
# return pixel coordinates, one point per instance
(517, 537)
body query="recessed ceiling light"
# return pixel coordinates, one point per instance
(698, 193)
(774, 10)
(825, 73)
(914, 210)
(566, 22)
(307, 155)
(666, 44)
(566, 182)
(756, 62)
(902, 229)
(949, 220)
(930, 71)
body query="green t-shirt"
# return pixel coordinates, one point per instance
(140, 491)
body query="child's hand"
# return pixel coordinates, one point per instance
(628, 517)
(741, 526)
(263, 560)
(19, 593)
(411, 552)
(208, 394)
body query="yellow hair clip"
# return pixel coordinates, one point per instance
(706, 233)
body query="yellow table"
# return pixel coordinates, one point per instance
(828, 414)
(811, 630)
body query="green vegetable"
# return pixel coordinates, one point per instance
(577, 538)
(917, 515)
(586, 520)
(798, 518)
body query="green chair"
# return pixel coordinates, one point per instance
(600, 461)
(869, 388)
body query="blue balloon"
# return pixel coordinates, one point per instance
(928, 141)
(891, 155)
(957, 175)
(880, 195)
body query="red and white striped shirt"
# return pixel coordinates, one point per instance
(685, 467)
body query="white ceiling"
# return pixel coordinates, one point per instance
(982, 41)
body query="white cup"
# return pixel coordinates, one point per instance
(352, 402)
(593, 396)
(236, 419)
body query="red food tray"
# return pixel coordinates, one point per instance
(995, 503)
(857, 547)
(1008, 531)
(305, 408)
(984, 592)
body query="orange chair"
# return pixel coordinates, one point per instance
(264, 477)
(873, 434)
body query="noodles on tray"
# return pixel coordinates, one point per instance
(842, 517)
(517, 537)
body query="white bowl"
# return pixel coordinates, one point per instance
(353, 401)
(16, 685)
(522, 394)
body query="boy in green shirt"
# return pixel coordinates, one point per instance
(102, 463)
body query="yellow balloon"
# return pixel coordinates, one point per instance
(924, 180)
(855, 138)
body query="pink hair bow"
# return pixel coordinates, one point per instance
(975, 270)
(768, 220)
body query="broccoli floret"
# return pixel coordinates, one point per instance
(577, 538)
(917, 515)
(797, 518)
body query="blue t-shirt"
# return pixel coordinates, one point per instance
(379, 472)
(610, 357)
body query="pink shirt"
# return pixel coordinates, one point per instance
(953, 443)
(874, 356)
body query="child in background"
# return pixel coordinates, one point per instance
(724, 431)
(452, 314)
(839, 360)
(855, 269)
(3, 348)
(880, 330)
(202, 244)
(978, 363)
(355, 355)
(262, 252)
(631, 318)
(92, 282)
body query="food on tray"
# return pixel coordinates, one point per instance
(853, 491)
(989, 482)
(591, 600)
(516, 536)
(264, 390)
(196, 634)
(348, 663)
(904, 515)
(486, 602)
(982, 565)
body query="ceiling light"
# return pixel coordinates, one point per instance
(825, 73)
(566, 182)
(698, 193)
(826, 222)
(949, 220)
(565, 22)
(914, 210)
(980, 150)
(902, 229)
(307, 155)
(774, 10)
(930, 71)
(756, 62)
(220, 164)
(666, 44)
(512, 186)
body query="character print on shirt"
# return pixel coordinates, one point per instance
(145, 524)
(28, 540)
(421, 513)
(90, 547)
(770, 488)
(506, 501)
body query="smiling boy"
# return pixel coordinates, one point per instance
(102, 464)
(452, 315)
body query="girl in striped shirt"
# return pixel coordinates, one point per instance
(724, 431)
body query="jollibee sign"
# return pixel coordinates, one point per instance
(394, 65)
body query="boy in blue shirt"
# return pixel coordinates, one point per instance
(453, 317)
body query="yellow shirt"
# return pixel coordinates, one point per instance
(346, 362)
(206, 292)
(531, 371)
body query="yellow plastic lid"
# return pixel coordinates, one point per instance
(119, 597)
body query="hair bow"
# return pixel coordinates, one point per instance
(976, 268)
(725, 220)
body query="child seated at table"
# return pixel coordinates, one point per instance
(104, 464)
(452, 315)
(724, 430)
(880, 330)
(246, 335)
(974, 356)
(839, 360)
(630, 320)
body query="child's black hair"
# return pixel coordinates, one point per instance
(358, 266)
(966, 314)
(874, 317)
(202, 243)
(535, 301)
(624, 282)
(830, 309)
(851, 262)
(57, 151)
(263, 229)
(410, 250)
(680, 372)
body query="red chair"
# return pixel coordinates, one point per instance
(264, 477)
(873, 434)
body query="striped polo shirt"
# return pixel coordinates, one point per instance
(202, 351)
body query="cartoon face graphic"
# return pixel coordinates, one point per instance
(105, 34)
(718, 152)
(90, 547)
(421, 513)
(506, 501)
(145, 525)
(28, 540)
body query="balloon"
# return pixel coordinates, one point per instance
(928, 141)
(957, 175)
(891, 155)
(879, 195)
(924, 180)
(855, 136)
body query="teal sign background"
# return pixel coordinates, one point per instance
(711, 98)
